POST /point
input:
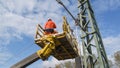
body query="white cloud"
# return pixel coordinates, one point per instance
(112, 44)
(106, 5)
(18, 17)
(18, 6)
(53, 62)
(14, 26)
(50, 63)
(4, 56)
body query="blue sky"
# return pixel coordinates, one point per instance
(18, 20)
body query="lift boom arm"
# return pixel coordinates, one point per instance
(27, 61)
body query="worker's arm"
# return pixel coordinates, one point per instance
(54, 25)
(45, 25)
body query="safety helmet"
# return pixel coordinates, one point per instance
(49, 19)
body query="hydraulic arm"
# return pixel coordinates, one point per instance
(50, 43)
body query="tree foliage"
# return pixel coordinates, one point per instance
(66, 64)
(117, 58)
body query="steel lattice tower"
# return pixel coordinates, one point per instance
(94, 55)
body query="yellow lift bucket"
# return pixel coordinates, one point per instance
(62, 46)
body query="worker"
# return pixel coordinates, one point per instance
(49, 27)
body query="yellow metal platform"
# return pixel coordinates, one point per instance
(66, 50)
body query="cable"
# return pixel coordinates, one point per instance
(61, 3)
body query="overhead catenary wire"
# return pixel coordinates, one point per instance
(60, 2)
(75, 19)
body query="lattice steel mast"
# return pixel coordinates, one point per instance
(93, 48)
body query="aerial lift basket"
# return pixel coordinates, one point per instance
(61, 45)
